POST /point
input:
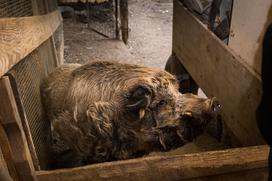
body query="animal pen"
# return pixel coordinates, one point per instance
(32, 46)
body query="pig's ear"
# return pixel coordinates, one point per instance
(139, 100)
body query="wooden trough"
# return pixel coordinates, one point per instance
(31, 47)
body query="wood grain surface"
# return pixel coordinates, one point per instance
(179, 167)
(219, 72)
(20, 36)
(12, 125)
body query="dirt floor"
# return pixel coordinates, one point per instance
(150, 22)
(150, 38)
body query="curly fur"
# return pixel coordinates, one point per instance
(105, 111)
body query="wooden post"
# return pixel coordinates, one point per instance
(11, 122)
(117, 34)
(124, 20)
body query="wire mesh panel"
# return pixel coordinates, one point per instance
(28, 75)
(15, 8)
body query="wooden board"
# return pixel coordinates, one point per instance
(4, 172)
(249, 21)
(12, 125)
(167, 167)
(219, 72)
(246, 175)
(23, 119)
(6, 162)
(20, 36)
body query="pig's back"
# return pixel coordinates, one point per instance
(54, 88)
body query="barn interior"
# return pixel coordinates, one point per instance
(204, 43)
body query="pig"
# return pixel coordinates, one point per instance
(105, 111)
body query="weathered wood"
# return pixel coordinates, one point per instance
(220, 72)
(124, 20)
(24, 121)
(59, 42)
(11, 122)
(167, 168)
(4, 173)
(259, 174)
(20, 36)
(7, 154)
(116, 12)
(35, 7)
(250, 18)
(51, 45)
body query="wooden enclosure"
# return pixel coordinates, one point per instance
(220, 72)
(31, 47)
(226, 71)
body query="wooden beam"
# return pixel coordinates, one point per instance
(167, 167)
(12, 125)
(220, 72)
(20, 36)
(4, 173)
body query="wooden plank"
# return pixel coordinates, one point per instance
(11, 122)
(250, 19)
(24, 121)
(166, 167)
(20, 36)
(5, 150)
(4, 172)
(220, 72)
(259, 174)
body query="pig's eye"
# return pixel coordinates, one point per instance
(162, 103)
